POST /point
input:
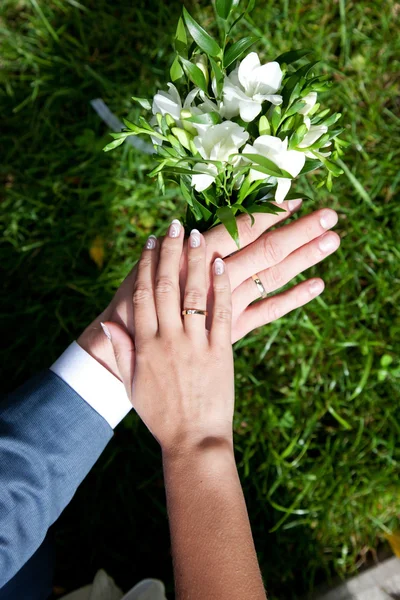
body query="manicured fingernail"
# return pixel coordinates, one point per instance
(328, 219)
(106, 331)
(293, 204)
(327, 243)
(151, 242)
(194, 240)
(316, 287)
(219, 266)
(174, 229)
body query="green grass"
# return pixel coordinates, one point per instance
(318, 418)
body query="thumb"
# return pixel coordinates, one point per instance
(124, 352)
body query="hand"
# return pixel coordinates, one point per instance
(182, 374)
(277, 256)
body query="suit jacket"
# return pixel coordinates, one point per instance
(49, 440)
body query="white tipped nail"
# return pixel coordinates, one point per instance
(219, 266)
(328, 219)
(174, 229)
(316, 287)
(151, 242)
(293, 204)
(106, 331)
(194, 239)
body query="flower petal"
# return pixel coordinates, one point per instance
(310, 101)
(267, 78)
(249, 110)
(282, 189)
(246, 68)
(202, 182)
(292, 161)
(313, 134)
(268, 144)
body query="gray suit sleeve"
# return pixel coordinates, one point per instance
(49, 440)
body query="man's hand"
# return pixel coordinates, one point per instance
(276, 256)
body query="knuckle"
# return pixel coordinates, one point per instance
(145, 261)
(276, 275)
(168, 248)
(223, 314)
(221, 287)
(141, 294)
(274, 311)
(272, 251)
(194, 297)
(195, 259)
(309, 231)
(164, 285)
(246, 230)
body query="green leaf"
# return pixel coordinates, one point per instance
(332, 168)
(218, 74)
(264, 127)
(276, 118)
(144, 103)
(290, 57)
(200, 36)
(265, 207)
(181, 171)
(114, 144)
(224, 8)
(211, 118)
(176, 70)
(268, 167)
(243, 209)
(244, 190)
(296, 195)
(310, 165)
(161, 184)
(130, 125)
(181, 39)
(195, 74)
(296, 106)
(182, 136)
(237, 49)
(294, 79)
(144, 124)
(227, 218)
(298, 136)
(205, 213)
(187, 194)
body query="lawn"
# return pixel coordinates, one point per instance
(318, 414)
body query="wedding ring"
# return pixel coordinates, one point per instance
(259, 284)
(194, 311)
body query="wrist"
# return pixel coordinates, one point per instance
(200, 449)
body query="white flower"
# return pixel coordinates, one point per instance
(310, 101)
(314, 132)
(218, 142)
(202, 182)
(276, 150)
(171, 103)
(168, 103)
(248, 86)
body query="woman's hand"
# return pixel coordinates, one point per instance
(277, 256)
(183, 377)
(180, 380)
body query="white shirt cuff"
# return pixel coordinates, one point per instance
(97, 386)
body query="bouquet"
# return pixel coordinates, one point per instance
(234, 133)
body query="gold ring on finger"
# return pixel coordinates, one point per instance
(260, 286)
(194, 311)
